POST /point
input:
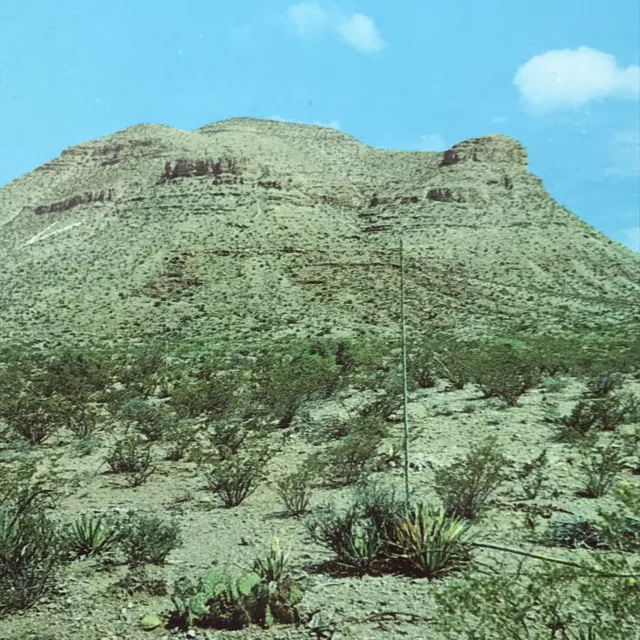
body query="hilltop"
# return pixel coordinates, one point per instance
(248, 228)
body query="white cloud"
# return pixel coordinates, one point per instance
(313, 20)
(630, 238)
(569, 78)
(308, 17)
(360, 32)
(432, 142)
(625, 154)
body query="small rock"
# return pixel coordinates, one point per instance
(150, 621)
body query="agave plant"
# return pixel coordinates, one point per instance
(90, 536)
(432, 542)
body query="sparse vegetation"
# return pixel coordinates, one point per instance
(131, 456)
(147, 538)
(234, 478)
(295, 491)
(466, 485)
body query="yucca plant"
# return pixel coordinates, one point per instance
(432, 542)
(272, 568)
(90, 536)
(355, 540)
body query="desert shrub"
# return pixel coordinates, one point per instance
(389, 401)
(574, 533)
(227, 438)
(139, 367)
(214, 396)
(615, 409)
(132, 457)
(631, 441)
(87, 445)
(30, 558)
(71, 372)
(453, 362)
(347, 462)
(82, 419)
(147, 538)
(236, 477)
(601, 467)
(603, 385)
(620, 524)
(179, 439)
(533, 475)
(502, 372)
(30, 545)
(421, 369)
(32, 417)
(548, 601)
(360, 536)
(432, 543)
(89, 536)
(152, 421)
(466, 485)
(285, 384)
(581, 422)
(294, 490)
(266, 595)
(355, 540)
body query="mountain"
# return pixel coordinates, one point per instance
(252, 229)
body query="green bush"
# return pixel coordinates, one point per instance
(362, 534)
(466, 485)
(574, 533)
(294, 490)
(147, 539)
(213, 396)
(601, 467)
(152, 421)
(31, 552)
(580, 423)
(542, 601)
(603, 385)
(502, 372)
(348, 461)
(236, 477)
(620, 524)
(34, 418)
(285, 384)
(131, 456)
(533, 475)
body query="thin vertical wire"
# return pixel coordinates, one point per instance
(404, 374)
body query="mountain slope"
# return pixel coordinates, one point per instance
(247, 228)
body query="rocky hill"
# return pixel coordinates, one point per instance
(251, 228)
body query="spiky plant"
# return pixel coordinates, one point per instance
(432, 542)
(90, 536)
(273, 567)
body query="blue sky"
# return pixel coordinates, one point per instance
(561, 76)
